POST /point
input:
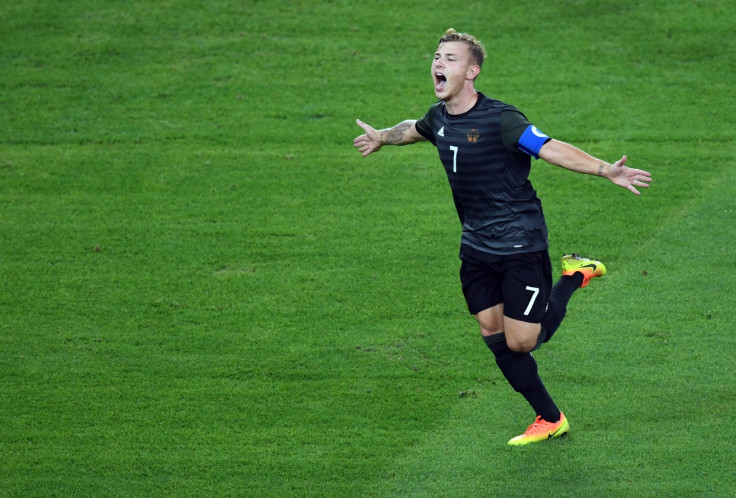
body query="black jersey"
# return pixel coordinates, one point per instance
(489, 175)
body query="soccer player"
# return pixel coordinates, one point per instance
(486, 147)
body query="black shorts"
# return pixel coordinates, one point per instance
(522, 282)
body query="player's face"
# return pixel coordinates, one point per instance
(450, 69)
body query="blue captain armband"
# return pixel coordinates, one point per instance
(532, 140)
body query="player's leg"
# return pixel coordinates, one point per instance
(576, 273)
(520, 370)
(482, 276)
(559, 296)
(526, 286)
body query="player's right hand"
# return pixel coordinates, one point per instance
(370, 141)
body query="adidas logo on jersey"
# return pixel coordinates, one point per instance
(441, 132)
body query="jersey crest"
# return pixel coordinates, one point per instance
(473, 135)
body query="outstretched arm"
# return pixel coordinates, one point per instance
(574, 159)
(372, 140)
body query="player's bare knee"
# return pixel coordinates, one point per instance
(489, 326)
(490, 329)
(522, 337)
(520, 345)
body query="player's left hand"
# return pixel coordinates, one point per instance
(629, 178)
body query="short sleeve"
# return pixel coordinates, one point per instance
(519, 134)
(424, 125)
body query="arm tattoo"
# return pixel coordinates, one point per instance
(600, 170)
(395, 135)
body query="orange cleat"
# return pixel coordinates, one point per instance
(541, 430)
(590, 268)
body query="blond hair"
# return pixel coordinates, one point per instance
(477, 51)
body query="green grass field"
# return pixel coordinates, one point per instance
(206, 291)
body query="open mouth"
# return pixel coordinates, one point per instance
(439, 81)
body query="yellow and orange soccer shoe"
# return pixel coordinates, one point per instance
(542, 430)
(590, 268)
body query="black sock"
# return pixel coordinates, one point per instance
(520, 370)
(560, 295)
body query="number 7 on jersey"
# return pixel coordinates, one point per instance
(454, 150)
